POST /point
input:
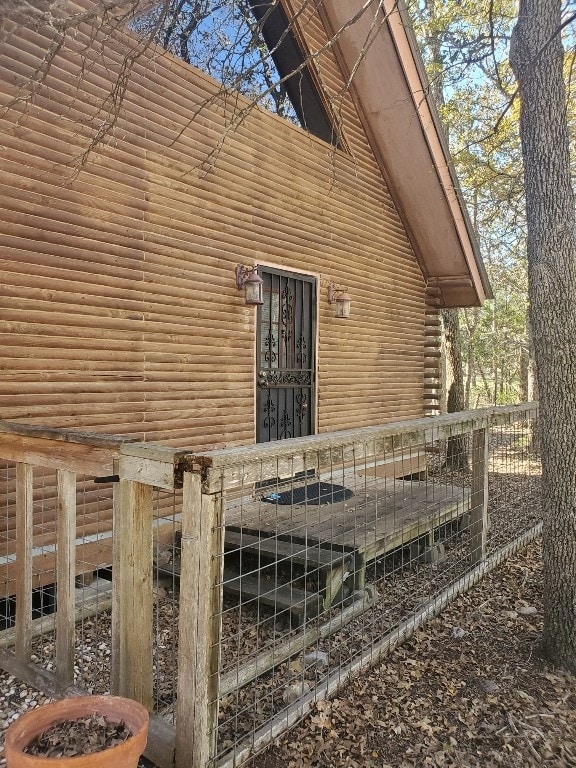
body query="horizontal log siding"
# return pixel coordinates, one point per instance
(119, 310)
(433, 384)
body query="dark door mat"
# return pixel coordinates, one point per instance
(313, 493)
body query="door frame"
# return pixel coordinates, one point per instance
(292, 272)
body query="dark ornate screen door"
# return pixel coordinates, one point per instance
(285, 356)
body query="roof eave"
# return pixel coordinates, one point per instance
(408, 141)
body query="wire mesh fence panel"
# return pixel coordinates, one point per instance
(7, 547)
(329, 557)
(91, 533)
(317, 568)
(93, 583)
(166, 604)
(276, 573)
(31, 567)
(514, 480)
(58, 508)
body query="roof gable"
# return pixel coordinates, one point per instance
(303, 89)
(389, 86)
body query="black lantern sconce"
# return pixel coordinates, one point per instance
(341, 298)
(248, 279)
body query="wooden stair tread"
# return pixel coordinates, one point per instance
(278, 549)
(268, 592)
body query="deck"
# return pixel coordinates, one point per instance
(264, 539)
(335, 540)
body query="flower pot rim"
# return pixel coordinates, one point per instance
(31, 724)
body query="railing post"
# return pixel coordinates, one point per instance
(132, 594)
(479, 496)
(199, 625)
(65, 573)
(24, 536)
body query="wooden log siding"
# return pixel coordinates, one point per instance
(432, 355)
(119, 310)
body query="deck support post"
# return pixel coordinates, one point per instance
(200, 624)
(24, 536)
(66, 573)
(479, 496)
(132, 595)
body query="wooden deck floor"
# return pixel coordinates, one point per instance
(334, 539)
(382, 515)
(386, 511)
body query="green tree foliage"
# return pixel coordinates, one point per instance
(465, 48)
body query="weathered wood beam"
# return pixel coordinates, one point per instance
(152, 464)
(24, 543)
(199, 627)
(132, 595)
(96, 439)
(81, 457)
(66, 573)
(234, 467)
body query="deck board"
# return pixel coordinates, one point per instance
(380, 516)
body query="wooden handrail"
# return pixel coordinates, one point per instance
(432, 426)
(97, 439)
(230, 468)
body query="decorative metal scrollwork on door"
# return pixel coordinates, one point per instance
(278, 378)
(301, 406)
(285, 356)
(270, 343)
(269, 408)
(285, 424)
(301, 354)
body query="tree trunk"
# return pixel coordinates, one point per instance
(527, 368)
(529, 385)
(524, 367)
(487, 387)
(533, 395)
(469, 374)
(471, 320)
(457, 447)
(536, 56)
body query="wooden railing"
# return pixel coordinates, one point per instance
(209, 481)
(210, 477)
(135, 470)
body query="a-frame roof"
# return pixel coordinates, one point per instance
(393, 97)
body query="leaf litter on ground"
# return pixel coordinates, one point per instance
(469, 690)
(83, 736)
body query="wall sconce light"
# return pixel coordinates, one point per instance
(247, 278)
(341, 298)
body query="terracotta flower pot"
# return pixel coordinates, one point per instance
(114, 708)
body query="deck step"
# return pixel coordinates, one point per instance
(281, 597)
(273, 548)
(299, 602)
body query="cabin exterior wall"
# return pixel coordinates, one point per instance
(119, 310)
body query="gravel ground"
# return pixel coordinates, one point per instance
(15, 699)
